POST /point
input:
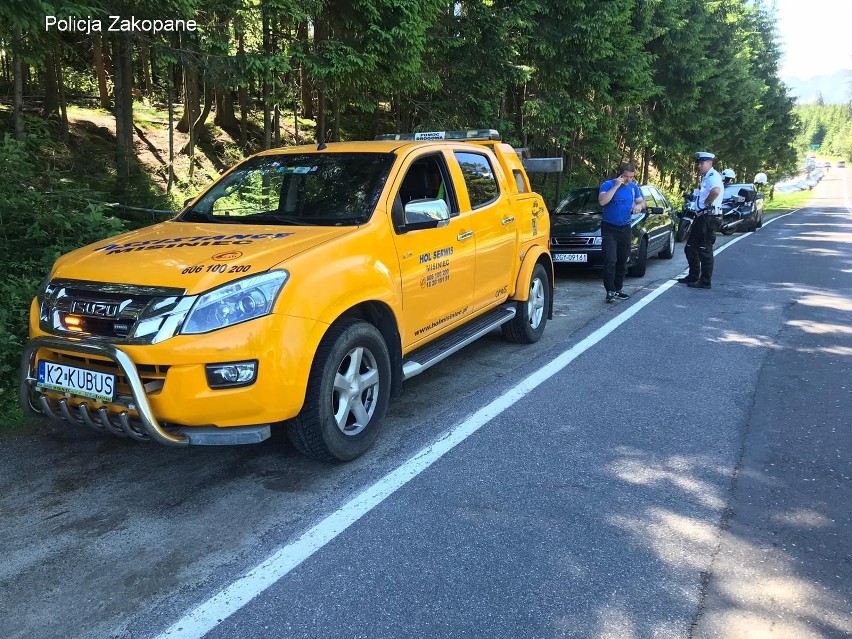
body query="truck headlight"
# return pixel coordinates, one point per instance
(234, 303)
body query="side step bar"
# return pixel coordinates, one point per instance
(418, 361)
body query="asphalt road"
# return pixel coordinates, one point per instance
(680, 467)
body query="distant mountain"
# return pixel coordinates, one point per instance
(835, 88)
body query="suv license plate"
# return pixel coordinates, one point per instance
(570, 257)
(76, 381)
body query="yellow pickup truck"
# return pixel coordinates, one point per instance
(301, 289)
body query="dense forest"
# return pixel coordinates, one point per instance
(647, 80)
(826, 128)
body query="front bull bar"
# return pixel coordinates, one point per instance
(100, 349)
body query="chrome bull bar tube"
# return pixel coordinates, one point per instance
(151, 426)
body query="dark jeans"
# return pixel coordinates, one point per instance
(615, 246)
(699, 252)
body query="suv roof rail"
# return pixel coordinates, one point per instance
(471, 134)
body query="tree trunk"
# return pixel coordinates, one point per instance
(320, 130)
(145, 57)
(18, 99)
(267, 116)
(123, 63)
(199, 131)
(335, 114)
(646, 161)
(225, 117)
(190, 108)
(62, 104)
(100, 71)
(50, 105)
(171, 98)
(192, 100)
(242, 96)
(276, 127)
(296, 119)
(304, 82)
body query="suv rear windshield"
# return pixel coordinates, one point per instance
(328, 189)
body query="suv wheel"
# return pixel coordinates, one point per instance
(528, 324)
(347, 396)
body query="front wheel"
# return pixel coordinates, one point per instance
(347, 395)
(528, 324)
(638, 269)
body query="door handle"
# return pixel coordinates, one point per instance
(508, 220)
(464, 236)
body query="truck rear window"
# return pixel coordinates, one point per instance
(328, 189)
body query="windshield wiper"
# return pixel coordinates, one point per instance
(277, 218)
(197, 216)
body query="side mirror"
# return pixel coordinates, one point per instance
(187, 201)
(426, 214)
(657, 210)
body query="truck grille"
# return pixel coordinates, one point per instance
(112, 312)
(573, 241)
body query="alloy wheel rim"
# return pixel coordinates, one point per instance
(535, 304)
(356, 391)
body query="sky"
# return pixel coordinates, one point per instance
(815, 36)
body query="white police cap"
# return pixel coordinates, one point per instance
(704, 155)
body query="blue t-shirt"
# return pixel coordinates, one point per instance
(617, 210)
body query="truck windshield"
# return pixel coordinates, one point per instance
(325, 189)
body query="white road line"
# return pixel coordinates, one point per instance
(223, 604)
(744, 235)
(206, 616)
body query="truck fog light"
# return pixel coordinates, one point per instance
(231, 374)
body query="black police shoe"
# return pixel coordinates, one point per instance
(699, 285)
(686, 280)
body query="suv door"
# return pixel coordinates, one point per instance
(437, 265)
(494, 225)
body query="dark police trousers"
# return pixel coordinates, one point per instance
(699, 249)
(615, 246)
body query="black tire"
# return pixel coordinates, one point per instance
(668, 252)
(527, 326)
(351, 351)
(727, 231)
(641, 265)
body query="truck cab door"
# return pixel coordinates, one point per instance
(495, 225)
(436, 261)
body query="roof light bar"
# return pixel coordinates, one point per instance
(471, 134)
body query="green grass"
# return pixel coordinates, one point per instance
(787, 201)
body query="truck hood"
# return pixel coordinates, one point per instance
(196, 257)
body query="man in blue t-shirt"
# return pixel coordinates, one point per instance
(620, 198)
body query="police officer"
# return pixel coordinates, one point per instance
(702, 234)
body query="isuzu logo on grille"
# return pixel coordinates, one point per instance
(105, 310)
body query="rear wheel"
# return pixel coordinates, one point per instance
(347, 396)
(641, 265)
(528, 324)
(668, 252)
